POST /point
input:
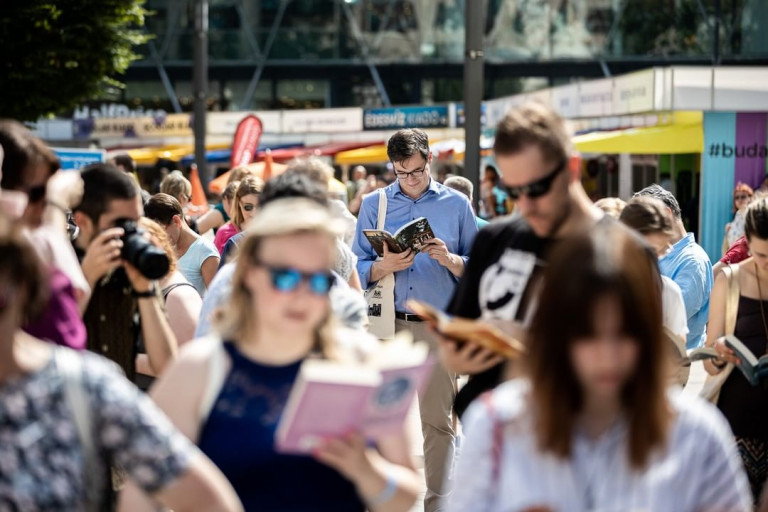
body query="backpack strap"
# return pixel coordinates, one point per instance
(168, 289)
(70, 369)
(217, 374)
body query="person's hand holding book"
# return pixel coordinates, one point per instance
(391, 262)
(465, 358)
(438, 251)
(724, 353)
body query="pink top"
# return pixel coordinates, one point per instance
(224, 233)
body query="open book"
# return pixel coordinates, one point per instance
(465, 330)
(754, 369)
(411, 236)
(330, 399)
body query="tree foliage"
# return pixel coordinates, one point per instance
(56, 53)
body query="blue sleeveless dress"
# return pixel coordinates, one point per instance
(238, 437)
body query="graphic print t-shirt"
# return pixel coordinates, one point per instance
(498, 283)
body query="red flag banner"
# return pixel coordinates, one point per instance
(246, 141)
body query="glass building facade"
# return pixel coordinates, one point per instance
(330, 53)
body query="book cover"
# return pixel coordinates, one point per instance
(754, 369)
(411, 236)
(331, 399)
(465, 330)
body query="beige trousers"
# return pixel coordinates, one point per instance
(438, 424)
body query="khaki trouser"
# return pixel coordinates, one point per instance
(438, 424)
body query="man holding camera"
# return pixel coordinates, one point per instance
(124, 301)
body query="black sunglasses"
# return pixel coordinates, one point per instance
(537, 188)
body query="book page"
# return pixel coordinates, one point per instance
(379, 238)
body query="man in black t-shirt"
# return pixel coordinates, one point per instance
(534, 154)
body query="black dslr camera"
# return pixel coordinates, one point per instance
(151, 261)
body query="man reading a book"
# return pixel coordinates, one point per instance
(533, 152)
(429, 275)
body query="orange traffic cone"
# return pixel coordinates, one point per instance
(199, 203)
(267, 173)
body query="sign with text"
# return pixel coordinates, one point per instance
(225, 123)
(172, 125)
(329, 120)
(634, 93)
(395, 118)
(75, 158)
(246, 141)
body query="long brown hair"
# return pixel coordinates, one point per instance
(250, 185)
(614, 262)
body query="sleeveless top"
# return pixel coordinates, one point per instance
(746, 406)
(238, 437)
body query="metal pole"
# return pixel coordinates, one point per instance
(201, 87)
(473, 90)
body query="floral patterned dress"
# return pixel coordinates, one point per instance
(41, 460)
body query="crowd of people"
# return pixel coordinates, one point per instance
(151, 349)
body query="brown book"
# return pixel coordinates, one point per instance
(465, 330)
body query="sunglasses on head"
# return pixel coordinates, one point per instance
(537, 188)
(286, 279)
(741, 197)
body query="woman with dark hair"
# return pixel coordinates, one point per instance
(745, 406)
(592, 425)
(67, 417)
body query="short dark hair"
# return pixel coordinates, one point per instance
(125, 161)
(663, 195)
(406, 143)
(22, 151)
(756, 220)
(647, 215)
(103, 183)
(292, 184)
(162, 207)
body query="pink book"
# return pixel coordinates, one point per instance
(331, 399)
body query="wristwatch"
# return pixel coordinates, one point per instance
(152, 292)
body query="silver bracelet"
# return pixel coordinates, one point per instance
(385, 495)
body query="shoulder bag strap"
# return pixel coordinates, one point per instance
(217, 374)
(382, 216)
(732, 300)
(70, 368)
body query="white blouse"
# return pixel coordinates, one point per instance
(700, 469)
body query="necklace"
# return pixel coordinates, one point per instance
(762, 308)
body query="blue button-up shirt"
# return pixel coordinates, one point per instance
(688, 265)
(452, 220)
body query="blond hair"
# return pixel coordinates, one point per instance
(239, 173)
(176, 185)
(611, 206)
(314, 168)
(236, 320)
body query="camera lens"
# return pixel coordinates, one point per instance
(151, 261)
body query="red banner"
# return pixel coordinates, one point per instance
(246, 141)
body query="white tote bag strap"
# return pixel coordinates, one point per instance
(70, 368)
(217, 374)
(382, 216)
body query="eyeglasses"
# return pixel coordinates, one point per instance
(416, 174)
(288, 279)
(741, 197)
(248, 207)
(537, 188)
